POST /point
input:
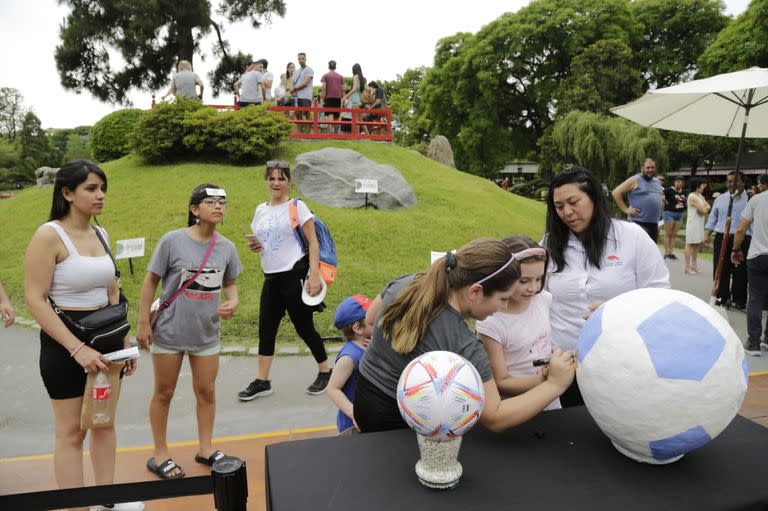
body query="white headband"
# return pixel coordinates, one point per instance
(524, 254)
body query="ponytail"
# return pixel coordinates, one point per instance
(406, 319)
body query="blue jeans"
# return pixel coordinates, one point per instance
(757, 268)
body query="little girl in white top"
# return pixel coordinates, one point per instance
(519, 334)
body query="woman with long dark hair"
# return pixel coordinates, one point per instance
(594, 258)
(358, 85)
(67, 262)
(426, 312)
(196, 265)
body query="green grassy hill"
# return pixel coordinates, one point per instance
(373, 246)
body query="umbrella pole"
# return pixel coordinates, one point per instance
(732, 192)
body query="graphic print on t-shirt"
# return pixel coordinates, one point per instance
(206, 286)
(269, 234)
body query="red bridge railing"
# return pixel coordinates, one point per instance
(315, 123)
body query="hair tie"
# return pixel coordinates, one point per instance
(450, 261)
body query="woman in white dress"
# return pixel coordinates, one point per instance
(698, 207)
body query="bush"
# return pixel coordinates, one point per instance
(110, 138)
(187, 128)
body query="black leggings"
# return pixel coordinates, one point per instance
(281, 292)
(374, 410)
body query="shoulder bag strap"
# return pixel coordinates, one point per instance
(189, 281)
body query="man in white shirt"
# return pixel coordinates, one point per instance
(266, 79)
(248, 87)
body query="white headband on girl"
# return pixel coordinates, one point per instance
(524, 254)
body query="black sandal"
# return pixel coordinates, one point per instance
(163, 470)
(210, 460)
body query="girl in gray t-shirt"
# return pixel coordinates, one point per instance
(426, 313)
(190, 322)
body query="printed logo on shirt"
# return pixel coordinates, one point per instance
(613, 260)
(268, 232)
(206, 286)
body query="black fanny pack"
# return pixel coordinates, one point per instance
(104, 327)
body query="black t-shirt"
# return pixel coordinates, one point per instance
(675, 200)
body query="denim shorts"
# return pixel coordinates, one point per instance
(671, 216)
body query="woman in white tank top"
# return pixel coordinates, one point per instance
(66, 261)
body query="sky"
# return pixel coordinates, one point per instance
(386, 38)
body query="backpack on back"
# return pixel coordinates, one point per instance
(328, 259)
(368, 96)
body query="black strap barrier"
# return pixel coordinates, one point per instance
(228, 483)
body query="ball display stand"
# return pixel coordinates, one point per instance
(438, 466)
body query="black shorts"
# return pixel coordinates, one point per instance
(62, 376)
(243, 104)
(303, 102)
(332, 103)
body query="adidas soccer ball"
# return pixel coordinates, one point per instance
(661, 372)
(440, 395)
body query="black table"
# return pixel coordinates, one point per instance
(572, 467)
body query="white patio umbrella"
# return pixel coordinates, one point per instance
(727, 105)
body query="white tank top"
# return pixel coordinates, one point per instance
(80, 281)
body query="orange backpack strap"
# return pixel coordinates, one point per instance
(293, 214)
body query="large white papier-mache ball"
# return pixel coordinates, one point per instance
(440, 395)
(661, 372)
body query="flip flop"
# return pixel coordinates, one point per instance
(210, 460)
(163, 470)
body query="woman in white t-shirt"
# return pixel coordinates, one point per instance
(593, 258)
(517, 336)
(286, 268)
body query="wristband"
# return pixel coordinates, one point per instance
(74, 352)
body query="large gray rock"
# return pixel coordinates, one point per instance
(440, 150)
(45, 176)
(328, 176)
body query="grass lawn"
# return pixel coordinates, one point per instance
(373, 246)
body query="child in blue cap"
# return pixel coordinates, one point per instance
(350, 319)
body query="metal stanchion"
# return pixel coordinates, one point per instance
(230, 484)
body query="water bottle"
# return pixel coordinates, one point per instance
(102, 393)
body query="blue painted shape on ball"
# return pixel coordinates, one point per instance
(590, 333)
(682, 343)
(745, 368)
(679, 444)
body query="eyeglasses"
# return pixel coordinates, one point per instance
(282, 164)
(213, 202)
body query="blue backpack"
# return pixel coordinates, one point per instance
(328, 259)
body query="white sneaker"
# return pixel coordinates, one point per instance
(124, 506)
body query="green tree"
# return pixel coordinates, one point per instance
(404, 100)
(600, 77)
(492, 94)
(687, 149)
(109, 47)
(740, 45)
(674, 35)
(611, 147)
(11, 112)
(33, 141)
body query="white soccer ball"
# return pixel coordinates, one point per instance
(661, 372)
(440, 395)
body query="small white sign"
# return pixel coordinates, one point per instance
(434, 256)
(133, 247)
(366, 186)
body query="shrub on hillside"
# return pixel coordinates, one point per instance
(158, 136)
(186, 128)
(110, 137)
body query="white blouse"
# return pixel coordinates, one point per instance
(631, 260)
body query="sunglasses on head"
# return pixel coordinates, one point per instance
(281, 164)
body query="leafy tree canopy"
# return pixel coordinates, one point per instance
(740, 45)
(109, 47)
(11, 112)
(673, 36)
